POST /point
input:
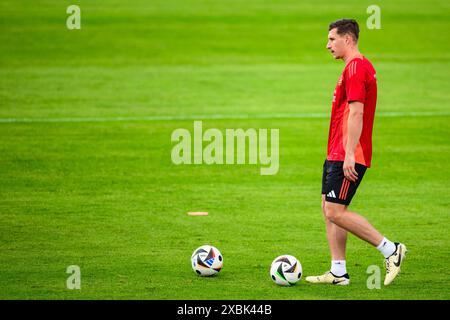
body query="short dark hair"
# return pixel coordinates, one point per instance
(346, 26)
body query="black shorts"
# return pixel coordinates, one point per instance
(335, 186)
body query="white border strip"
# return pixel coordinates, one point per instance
(213, 117)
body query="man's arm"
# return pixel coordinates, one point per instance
(354, 129)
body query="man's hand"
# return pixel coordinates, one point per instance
(349, 167)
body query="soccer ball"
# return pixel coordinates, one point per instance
(207, 261)
(286, 270)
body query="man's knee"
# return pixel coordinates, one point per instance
(333, 211)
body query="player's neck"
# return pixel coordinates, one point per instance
(352, 54)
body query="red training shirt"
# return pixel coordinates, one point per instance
(357, 83)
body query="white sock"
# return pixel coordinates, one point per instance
(386, 247)
(338, 268)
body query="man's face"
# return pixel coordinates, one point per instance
(337, 44)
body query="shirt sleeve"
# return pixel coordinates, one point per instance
(356, 88)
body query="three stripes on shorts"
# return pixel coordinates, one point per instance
(344, 190)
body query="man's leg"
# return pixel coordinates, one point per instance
(336, 236)
(360, 227)
(337, 241)
(352, 222)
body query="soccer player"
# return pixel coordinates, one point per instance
(349, 155)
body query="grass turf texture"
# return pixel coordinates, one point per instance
(105, 196)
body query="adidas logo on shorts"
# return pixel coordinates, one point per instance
(331, 194)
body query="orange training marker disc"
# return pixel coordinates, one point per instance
(198, 213)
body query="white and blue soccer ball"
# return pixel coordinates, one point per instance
(286, 270)
(207, 261)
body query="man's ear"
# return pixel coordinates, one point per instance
(348, 39)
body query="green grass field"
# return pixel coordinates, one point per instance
(85, 165)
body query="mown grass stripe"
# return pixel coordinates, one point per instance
(214, 117)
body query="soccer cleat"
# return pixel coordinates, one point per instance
(393, 263)
(330, 278)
